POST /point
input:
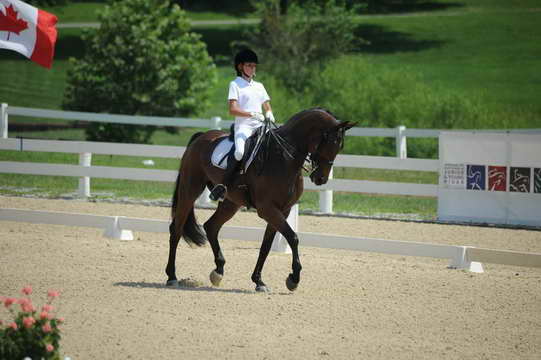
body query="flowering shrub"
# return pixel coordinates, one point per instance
(31, 332)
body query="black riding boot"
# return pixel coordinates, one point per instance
(218, 193)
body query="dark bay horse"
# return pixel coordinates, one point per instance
(272, 188)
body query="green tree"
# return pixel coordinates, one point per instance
(295, 44)
(143, 60)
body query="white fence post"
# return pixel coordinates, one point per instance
(279, 244)
(4, 121)
(326, 198)
(216, 122)
(85, 159)
(401, 143)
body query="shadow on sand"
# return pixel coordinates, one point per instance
(150, 285)
(147, 285)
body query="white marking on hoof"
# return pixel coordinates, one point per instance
(262, 288)
(171, 283)
(215, 278)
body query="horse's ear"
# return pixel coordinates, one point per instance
(346, 125)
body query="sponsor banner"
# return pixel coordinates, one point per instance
(454, 176)
(490, 178)
(519, 179)
(497, 178)
(476, 177)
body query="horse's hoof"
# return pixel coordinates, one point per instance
(262, 288)
(291, 285)
(215, 278)
(171, 283)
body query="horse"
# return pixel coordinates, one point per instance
(271, 187)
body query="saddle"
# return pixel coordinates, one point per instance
(226, 148)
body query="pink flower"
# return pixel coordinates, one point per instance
(13, 325)
(46, 328)
(60, 320)
(44, 315)
(28, 322)
(49, 348)
(26, 305)
(47, 308)
(9, 301)
(53, 294)
(27, 290)
(23, 301)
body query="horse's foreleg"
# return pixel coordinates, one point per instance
(277, 219)
(270, 232)
(225, 211)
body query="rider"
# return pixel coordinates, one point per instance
(246, 98)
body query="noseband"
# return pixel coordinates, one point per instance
(327, 137)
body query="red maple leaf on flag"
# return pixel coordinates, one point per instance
(10, 23)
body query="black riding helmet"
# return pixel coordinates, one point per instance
(245, 56)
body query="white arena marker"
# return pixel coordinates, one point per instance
(279, 243)
(461, 261)
(114, 231)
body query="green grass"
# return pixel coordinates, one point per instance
(85, 12)
(76, 11)
(493, 53)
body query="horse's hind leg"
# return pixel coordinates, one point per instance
(174, 237)
(185, 198)
(225, 211)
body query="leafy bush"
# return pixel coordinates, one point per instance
(379, 96)
(141, 61)
(296, 44)
(31, 333)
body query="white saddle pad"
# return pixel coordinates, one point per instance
(219, 155)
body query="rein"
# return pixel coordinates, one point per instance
(288, 149)
(314, 159)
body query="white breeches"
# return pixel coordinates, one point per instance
(242, 133)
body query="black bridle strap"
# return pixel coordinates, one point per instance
(288, 149)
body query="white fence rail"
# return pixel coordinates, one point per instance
(400, 133)
(86, 171)
(119, 227)
(86, 149)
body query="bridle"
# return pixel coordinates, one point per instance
(314, 159)
(335, 137)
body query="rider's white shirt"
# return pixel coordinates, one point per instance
(250, 97)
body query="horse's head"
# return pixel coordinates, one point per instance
(329, 142)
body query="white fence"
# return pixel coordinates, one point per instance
(86, 149)
(400, 133)
(460, 257)
(326, 191)
(85, 170)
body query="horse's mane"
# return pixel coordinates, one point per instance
(295, 119)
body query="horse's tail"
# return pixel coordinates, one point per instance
(192, 232)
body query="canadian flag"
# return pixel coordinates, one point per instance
(28, 30)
